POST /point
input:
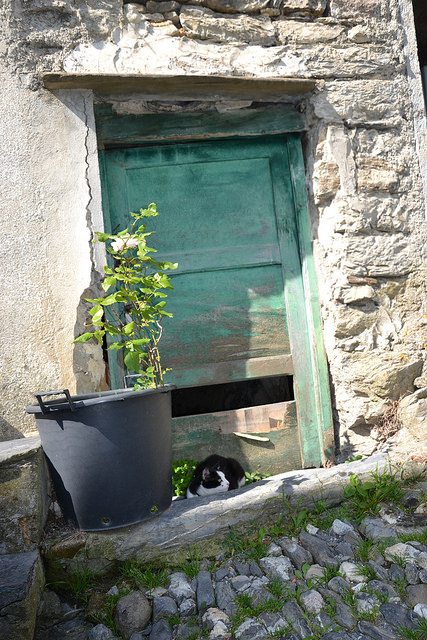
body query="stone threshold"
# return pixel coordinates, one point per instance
(202, 522)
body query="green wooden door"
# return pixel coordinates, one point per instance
(228, 217)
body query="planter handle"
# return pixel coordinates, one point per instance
(45, 409)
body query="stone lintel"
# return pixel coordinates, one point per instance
(182, 87)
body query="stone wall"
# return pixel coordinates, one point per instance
(362, 159)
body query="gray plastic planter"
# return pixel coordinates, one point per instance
(109, 454)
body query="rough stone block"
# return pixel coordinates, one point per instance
(133, 613)
(204, 24)
(237, 6)
(293, 31)
(413, 414)
(162, 7)
(21, 584)
(326, 180)
(355, 8)
(390, 378)
(379, 101)
(374, 174)
(380, 256)
(23, 494)
(304, 7)
(360, 60)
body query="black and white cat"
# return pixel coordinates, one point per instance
(215, 475)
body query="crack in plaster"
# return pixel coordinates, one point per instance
(89, 188)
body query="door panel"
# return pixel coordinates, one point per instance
(218, 221)
(227, 216)
(278, 450)
(220, 316)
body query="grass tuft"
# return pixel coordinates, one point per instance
(147, 577)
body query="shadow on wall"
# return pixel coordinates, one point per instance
(8, 432)
(89, 366)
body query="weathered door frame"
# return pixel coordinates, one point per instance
(114, 130)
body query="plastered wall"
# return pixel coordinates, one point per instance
(364, 150)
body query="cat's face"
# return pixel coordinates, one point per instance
(213, 481)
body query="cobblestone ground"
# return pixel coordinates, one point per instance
(329, 576)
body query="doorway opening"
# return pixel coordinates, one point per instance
(232, 395)
(244, 333)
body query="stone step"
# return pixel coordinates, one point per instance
(23, 495)
(202, 522)
(21, 586)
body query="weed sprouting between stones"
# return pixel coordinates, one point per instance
(364, 498)
(364, 549)
(174, 620)
(276, 587)
(79, 584)
(301, 574)
(319, 631)
(416, 536)
(417, 633)
(330, 608)
(382, 597)
(369, 616)
(147, 577)
(193, 564)
(246, 608)
(367, 571)
(401, 584)
(349, 598)
(397, 559)
(329, 573)
(105, 615)
(253, 545)
(281, 632)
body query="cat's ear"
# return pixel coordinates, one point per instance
(205, 473)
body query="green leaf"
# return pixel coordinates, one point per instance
(84, 337)
(95, 310)
(140, 341)
(111, 329)
(131, 360)
(168, 265)
(148, 213)
(98, 316)
(102, 237)
(115, 346)
(111, 299)
(368, 485)
(128, 328)
(109, 282)
(99, 335)
(349, 491)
